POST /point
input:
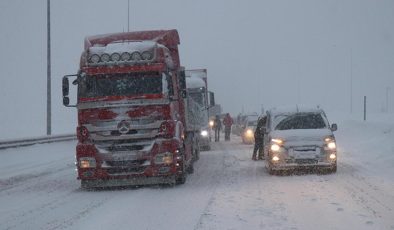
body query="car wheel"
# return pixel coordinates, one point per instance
(270, 170)
(334, 169)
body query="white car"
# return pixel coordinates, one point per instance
(299, 137)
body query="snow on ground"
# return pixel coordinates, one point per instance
(38, 190)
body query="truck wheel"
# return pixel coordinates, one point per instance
(190, 169)
(334, 169)
(270, 170)
(181, 179)
(197, 154)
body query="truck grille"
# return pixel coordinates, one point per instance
(125, 167)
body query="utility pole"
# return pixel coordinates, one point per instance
(387, 99)
(351, 80)
(49, 128)
(128, 15)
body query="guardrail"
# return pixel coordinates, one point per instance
(36, 140)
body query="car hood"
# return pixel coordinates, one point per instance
(302, 137)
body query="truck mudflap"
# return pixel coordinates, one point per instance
(132, 181)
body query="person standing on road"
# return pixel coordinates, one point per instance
(227, 122)
(259, 138)
(217, 126)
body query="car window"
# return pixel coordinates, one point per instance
(302, 121)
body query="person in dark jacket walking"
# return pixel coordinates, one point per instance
(259, 139)
(227, 122)
(217, 126)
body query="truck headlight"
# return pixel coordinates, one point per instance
(333, 156)
(164, 158)
(87, 162)
(275, 158)
(204, 133)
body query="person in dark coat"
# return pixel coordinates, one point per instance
(227, 122)
(217, 126)
(259, 139)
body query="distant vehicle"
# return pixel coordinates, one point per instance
(198, 104)
(241, 122)
(299, 137)
(248, 132)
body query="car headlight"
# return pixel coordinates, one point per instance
(249, 132)
(277, 140)
(87, 162)
(164, 158)
(332, 145)
(211, 123)
(333, 156)
(204, 133)
(275, 147)
(275, 158)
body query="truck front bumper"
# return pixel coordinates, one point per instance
(130, 181)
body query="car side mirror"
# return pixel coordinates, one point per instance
(334, 127)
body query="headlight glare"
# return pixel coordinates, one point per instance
(277, 141)
(275, 147)
(275, 158)
(249, 132)
(331, 145)
(204, 133)
(333, 156)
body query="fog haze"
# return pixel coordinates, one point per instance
(257, 53)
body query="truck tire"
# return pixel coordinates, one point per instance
(197, 154)
(181, 179)
(190, 169)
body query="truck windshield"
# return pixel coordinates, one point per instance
(302, 121)
(198, 97)
(127, 84)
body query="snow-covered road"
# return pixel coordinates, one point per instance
(38, 190)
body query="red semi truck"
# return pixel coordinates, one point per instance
(131, 93)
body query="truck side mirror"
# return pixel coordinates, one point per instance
(66, 89)
(211, 99)
(334, 127)
(66, 101)
(65, 86)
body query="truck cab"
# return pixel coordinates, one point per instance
(131, 112)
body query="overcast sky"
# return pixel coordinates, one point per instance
(257, 52)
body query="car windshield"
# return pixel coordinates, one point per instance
(301, 121)
(252, 123)
(122, 84)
